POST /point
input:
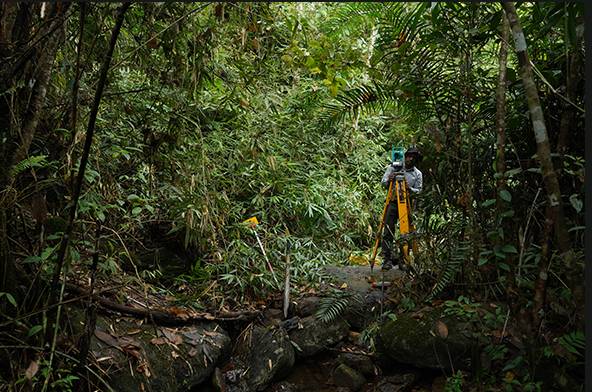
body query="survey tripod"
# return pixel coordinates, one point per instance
(398, 191)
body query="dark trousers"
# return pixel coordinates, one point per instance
(390, 225)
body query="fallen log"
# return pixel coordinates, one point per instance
(163, 317)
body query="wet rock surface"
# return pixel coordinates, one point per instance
(297, 353)
(313, 336)
(139, 357)
(263, 355)
(415, 339)
(359, 362)
(345, 376)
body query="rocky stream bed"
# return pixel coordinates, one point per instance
(300, 353)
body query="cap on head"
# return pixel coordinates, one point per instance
(413, 151)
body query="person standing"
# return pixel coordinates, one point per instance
(414, 183)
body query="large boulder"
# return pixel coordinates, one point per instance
(313, 336)
(428, 339)
(359, 362)
(344, 376)
(263, 355)
(139, 357)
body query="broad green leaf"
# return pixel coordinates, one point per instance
(509, 249)
(488, 203)
(505, 195)
(10, 299)
(34, 330)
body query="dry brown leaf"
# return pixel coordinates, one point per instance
(32, 370)
(157, 341)
(106, 338)
(144, 369)
(172, 336)
(134, 331)
(174, 354)
(126, 341)
(442, 329)
(133, 352)
(179, 312)
(193, 352)
(417, 315)
(212, 333)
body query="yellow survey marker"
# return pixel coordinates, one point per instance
(253, 222)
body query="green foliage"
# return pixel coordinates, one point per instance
(455, 382)
(286, 111)
(36, 161)
(462, 307)
(9, 298)
(574, 342)
(333, 306)
(450, 268)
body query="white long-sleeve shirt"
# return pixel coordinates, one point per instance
(413, 177)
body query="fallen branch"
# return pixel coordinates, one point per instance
(163, 317)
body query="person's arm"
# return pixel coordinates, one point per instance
(417, 184)
(388, 176)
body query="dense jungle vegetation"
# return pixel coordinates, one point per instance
(137, 138)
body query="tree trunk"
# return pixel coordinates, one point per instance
(572, 79)
(44, 64)
(18, 125)
(540, 130)
(500, 118)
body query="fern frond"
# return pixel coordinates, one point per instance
(334, 306)
(29, 163)
(574, 342)
(453, 265)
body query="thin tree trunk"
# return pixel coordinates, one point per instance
(500, 119)
(540, 130)
(61, 255)
(572, 79)
(74, 109)
(540, 286)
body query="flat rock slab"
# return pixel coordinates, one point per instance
(358, 277)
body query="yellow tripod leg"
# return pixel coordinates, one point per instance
(403, 208)
(389, 195)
